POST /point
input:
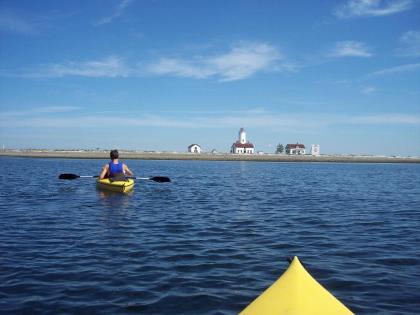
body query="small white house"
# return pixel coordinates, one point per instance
(315, 150)
(194, 148)
(241, 146)
(295, 149)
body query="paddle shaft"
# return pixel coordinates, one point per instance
(159, 179)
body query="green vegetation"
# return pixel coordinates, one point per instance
(280, 149)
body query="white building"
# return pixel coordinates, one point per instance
(315, 150)
(194, 148)
(241, 146)
(295, 149)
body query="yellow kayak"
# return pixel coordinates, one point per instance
(296, 293)
(117, 186)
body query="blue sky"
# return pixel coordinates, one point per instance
(161, 75)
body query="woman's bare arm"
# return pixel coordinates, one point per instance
(104, 171)
(127, 171)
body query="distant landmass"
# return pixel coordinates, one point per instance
(156, 155)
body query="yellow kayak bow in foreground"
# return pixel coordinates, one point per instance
(296, 293)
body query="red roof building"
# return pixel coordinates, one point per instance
(247, 145)
(297, 148)
(241, 146)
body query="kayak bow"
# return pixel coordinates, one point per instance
(296, 293)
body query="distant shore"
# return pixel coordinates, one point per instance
(209, 156)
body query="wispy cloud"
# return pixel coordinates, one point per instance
(368, 90)
(409, 44)
(366, 8)
(349, 49)
(268, 120)
(39, 111)
(109, 67)
(242, 61)
(11, 23)
(394, 70)
(386, 119)
(118, 11)
(182, 68)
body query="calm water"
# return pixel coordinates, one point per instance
(210, 241)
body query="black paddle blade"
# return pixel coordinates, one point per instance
(161, 179)
(68, 176)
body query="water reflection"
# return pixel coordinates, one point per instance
(115, 200)
(116, 208)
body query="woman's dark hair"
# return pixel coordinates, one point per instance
(113, 154)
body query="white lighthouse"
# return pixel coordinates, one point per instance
(241, 146)
(242, 136)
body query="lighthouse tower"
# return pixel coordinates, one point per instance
(241, 145)
(242, 136)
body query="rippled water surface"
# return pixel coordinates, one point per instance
(210, 241)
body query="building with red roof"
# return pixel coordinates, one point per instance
(295, 149)
(242, 146)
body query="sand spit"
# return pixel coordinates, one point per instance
(209, 156)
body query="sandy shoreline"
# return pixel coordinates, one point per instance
(208, 157)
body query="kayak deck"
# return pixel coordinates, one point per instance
(296, 293)
(117, 186)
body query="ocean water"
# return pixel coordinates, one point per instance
(210, 241)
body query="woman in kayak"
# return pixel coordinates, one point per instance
(115, 168)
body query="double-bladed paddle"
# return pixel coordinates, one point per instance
(158, 179)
